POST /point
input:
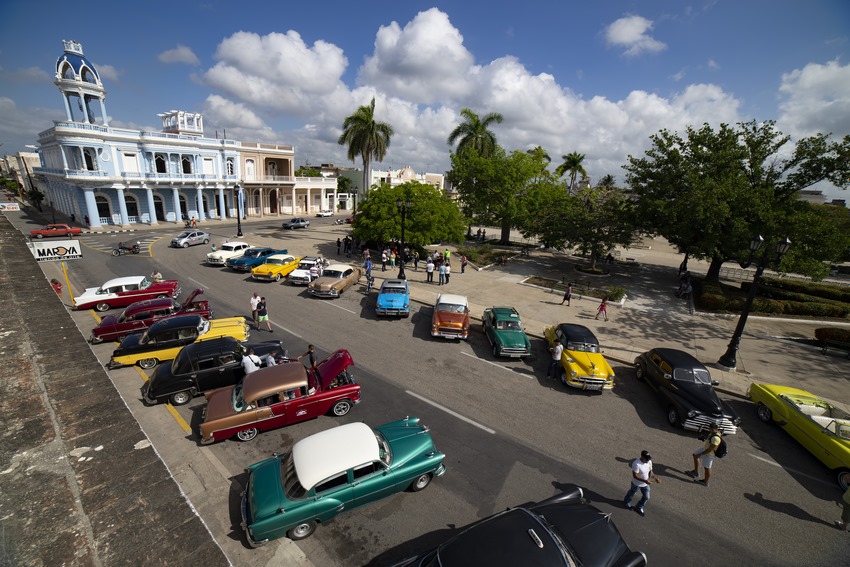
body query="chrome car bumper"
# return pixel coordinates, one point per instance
(701, 423)
(589, 383)
(450, 333)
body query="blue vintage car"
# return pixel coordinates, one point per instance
(393, 298)
(252, 258)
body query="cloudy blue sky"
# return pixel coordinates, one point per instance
(594, 77)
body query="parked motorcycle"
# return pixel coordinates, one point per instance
(339, 221)
(123, 249)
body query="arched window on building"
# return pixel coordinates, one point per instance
(230, 167)
(184, 210)
(90, 159)
(161, 163)
(104, 211)
(132, 207)
(88, 76)
(250, 172)
(186, 162)
(158, 207)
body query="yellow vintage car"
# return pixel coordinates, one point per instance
(818, 426)
(582, 363)
(164, 339)
(275, 268)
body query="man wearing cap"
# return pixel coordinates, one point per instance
(641, 475)
(706, 455)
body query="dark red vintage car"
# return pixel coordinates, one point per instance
(280, 395)
(138, 316)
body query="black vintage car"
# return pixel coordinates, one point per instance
(563, 530)
(205, 366)
(686, 388)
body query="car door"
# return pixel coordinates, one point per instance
(210, 373)
(301, 405)
(371, 481)
(656, 371)
(333, 496)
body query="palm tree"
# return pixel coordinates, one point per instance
(607, 182)
(473, 132)
(365, 138)
(572, 165)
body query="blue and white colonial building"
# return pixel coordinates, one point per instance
(115, 176)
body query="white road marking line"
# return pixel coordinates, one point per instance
(197, 282)
(450, 412)
(343, 308)
(790, 470)
(496, 364)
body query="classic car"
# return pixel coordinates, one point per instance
(189, 238)
(301, 274)
(334, 470)
(56, 230)
(275, 267)
(140, 315)
(684, 385)
(252, 258)
(206, 365)
(297, 222)
(121, 292)
(582, 363)
(335, 279)
(503, 328)
(164, 339)
(564, 530)
(227, 251)
(325, 213)
(393, 298)
(278, 396)
(451, 317)
(820, 427)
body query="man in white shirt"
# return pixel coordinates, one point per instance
(641, 475)
(251, 362)
(557, 349)
(255, 300)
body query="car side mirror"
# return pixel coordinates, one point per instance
(715, 383)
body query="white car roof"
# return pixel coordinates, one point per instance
(338, 267)
(333, 451)
(281, 257)
(452, 298)
(128, 280)
(234, 244)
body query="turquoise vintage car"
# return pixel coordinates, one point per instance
(823, 429)
(393, 299)
(338, 469)
(503, 328)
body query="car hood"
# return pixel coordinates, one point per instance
(590, 363)
(326, 283)
(393, 300)
(108, 321)
(408, 440)
(588, 531)
(452, 319)
(511, 338)
(300, 273)
(161, 377)
(701, 396)
(191, 298)
(219, 404)
(265, 493)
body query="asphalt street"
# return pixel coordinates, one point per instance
(510, 435)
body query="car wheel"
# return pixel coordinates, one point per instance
(102, 306)
(185, 245)
(673, 416)
(277, 277)
(41, 236)
(148, 363)
(180, 398)
(302, 531)
(247, 435)
(341, 408)
(206, 240)
(764, 413)
(844, 478)
(495, 350)
(115, 252)
(640, 373)
(162, 296)
(421, 482)
(564, 377)
(70, 235)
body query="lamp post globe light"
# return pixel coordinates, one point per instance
(404, 210)
(729, 359)
(239, 211)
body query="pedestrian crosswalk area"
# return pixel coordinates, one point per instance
(106, 243)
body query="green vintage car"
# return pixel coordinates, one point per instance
(503, 328)
(338, 469)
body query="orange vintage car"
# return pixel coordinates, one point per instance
(451, 317)
(280, 395)
(56, 230)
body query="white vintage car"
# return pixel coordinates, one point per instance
(301, 275)
(227, 251)
(325, 213)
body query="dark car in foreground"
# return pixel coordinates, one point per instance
(685, 386)
(203, 366)
(562, 531)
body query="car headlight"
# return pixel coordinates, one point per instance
(692, 414)
(573, 373)
(737, 421)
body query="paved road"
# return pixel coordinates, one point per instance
(542, 435)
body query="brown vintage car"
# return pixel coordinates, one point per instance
(451, 317)
(280, 395)
(335, 279)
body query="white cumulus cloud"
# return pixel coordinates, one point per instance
(630, 32)
(180, 54)
(816, 99)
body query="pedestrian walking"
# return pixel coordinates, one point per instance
(568, 294)
(86, 219)
(251, 362)
(429, 271)
(392, 259)
(338, 245)
(255, 300)
(463, 262)
(263, 315)
(384, 261)
(448, 256)
(602, 309)
(844, 523)
(367, 267)
(641, 475)
(557, 349)
(448, 272)
(442, 271)
(706, 455)
(311, 356)
(416, 260)
(194, 223)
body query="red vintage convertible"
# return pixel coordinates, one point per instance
(137, 317)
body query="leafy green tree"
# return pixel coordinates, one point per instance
(493, 187)
(36, 196)
(825, 227)
(307, 171)
(606, 182)
(572, 165)
(366, 138)
(709, 192)
(433, 217)
(474, 132)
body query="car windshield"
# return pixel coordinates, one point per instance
(237, 401)
(337, 274)
(306, 265)
(692, 375)
(182, 363)
(184, 235)
(509, 325)
(252, 253)
(203, 327)
(384, 450)
(400, 290)
(289, 479)
(451, 308)
(582, 347)
(276, 261)
(227, 248)
(145, 283)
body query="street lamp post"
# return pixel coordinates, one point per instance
(729, 359)
(404, 210)
(239, 211)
